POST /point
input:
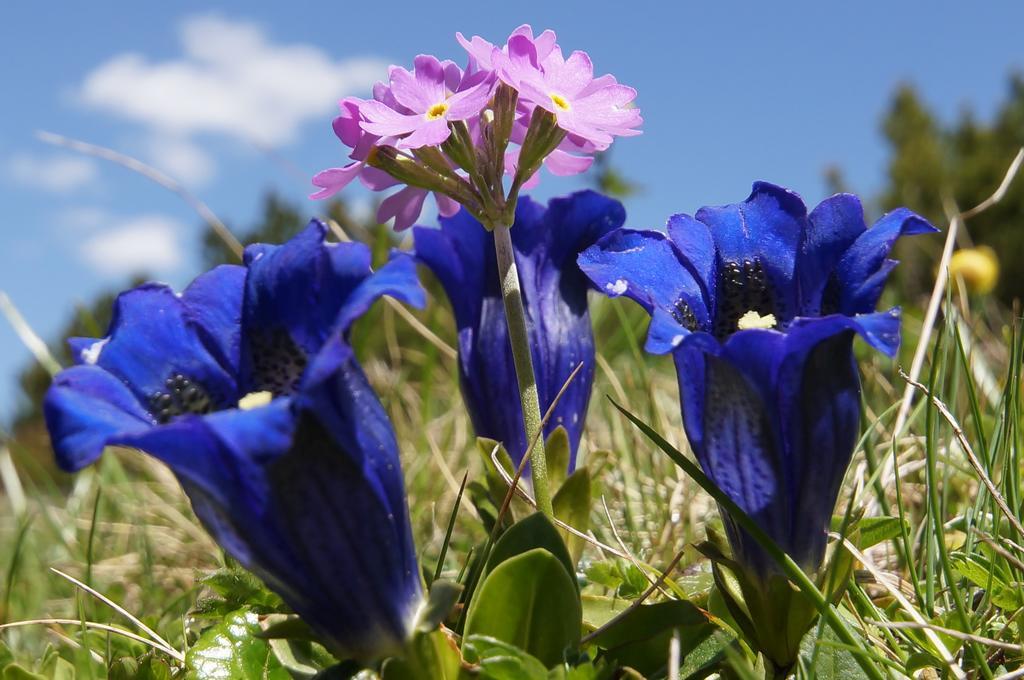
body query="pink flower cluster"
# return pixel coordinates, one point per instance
(417, 109)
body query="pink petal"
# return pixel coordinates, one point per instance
(532, 182)
(382, 93)
(446, 207)
(546, 43)
(479, 50)
(404, 206)
(385, 121)
(523, 30)
(428, 133)
(453, 75)
(375, 179)
(573, 76)
(512, 166)
(430, 77)
(598, 83)
(532, 91)
(564, 165)
(409, 92)
(469, 103)
(333, 180)
(346, 126)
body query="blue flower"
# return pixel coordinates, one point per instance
(246, 387)
(759, 303)
(546, 243)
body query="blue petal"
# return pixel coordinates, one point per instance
(819, 397)
(152, 339)
(546, 242)
(299, 287)
(300, 294)
(279, 490)
(570, 224)
(765, 228)
(862, 270)
(459, 255)
(397, 278)
(740, 451)
(834, 225)
(646, 267)
(78, 347)
(213, 303)
(84, 408)
(695, 244)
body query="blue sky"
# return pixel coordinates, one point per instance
(235, 98)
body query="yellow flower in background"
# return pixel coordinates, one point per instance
(977, 267)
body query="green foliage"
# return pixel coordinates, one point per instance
(232, 649)
(963, 161)
(528, 600)
(233, 588)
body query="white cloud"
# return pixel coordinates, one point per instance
(59, 173)
(148, 243)
(232, 80)
(181, 158)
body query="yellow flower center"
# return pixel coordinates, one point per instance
(559, 101)
(754, 320)
(437, 111)
(255, 400)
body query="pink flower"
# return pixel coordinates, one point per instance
(424, 102)
(405, 205)
(593, 109)
(481, 52)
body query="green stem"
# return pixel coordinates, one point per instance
(515, 316)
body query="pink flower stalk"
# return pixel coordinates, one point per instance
(425, 103)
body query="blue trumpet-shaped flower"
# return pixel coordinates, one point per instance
(759, 303)
(546, 243)
(246, 387)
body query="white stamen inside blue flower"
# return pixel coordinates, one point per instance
(255, 400)
(754, 320)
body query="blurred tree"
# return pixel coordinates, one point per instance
(963, 162)
(607, 178)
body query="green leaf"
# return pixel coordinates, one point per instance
(60, 669)
(499, 660)
(604, 573)
(429, 656)
(496, 486)
(124, 668)
(235, 588)
(870, 531)
(285, 627)
(599, 609)
(619, 575)
(641, 637)
(831, 660)
(535, 531)
(572, 505)
(1006, 596)
(441, 600)
(231, 649)
(706, 657)
(529, 601)
(16, 672)
(556, 449)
